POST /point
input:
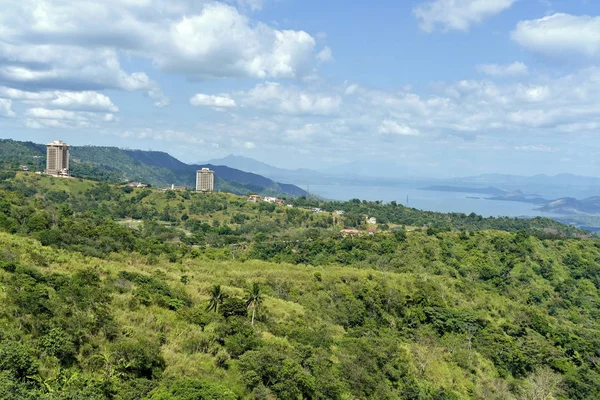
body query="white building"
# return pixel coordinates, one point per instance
(57, 158)
(273, 200)
(205, 180)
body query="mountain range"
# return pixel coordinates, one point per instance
(384, 172)
(563, 206)
(261, 168)
(113, 164)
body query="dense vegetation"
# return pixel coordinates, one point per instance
(114, 293)
(114, 165)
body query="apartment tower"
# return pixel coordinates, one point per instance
(57, 158)
(205, 180)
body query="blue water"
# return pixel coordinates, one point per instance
(430, 200)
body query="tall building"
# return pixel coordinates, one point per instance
(57, 158)
(205, 180)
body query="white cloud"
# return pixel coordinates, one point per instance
(498, 70)
(304, 132)
(70, 100)
(39, 117)
(290, 100)
(457, 14)
(538, 148)
(560, 35)
(351, 89)
(45, 113)
(205, 100)
(325, 55)
(157, 95)
(6, 108)
(65, 45)
(392, 127)
(84, 101)
(219, 41)
(167, 135)
(532, 93)
(252, 4)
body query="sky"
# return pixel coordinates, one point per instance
(413, 87)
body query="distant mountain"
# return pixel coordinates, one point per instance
(261, 168)
(560, 179)
(571, 206)
(112, 164)
(358, 169)
(457, 189)
(564, 206)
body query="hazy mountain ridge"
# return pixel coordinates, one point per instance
(261, 168)
(564, 205)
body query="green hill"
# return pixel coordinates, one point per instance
(111, 164)
(114, 293)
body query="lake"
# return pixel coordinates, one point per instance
(429, 200)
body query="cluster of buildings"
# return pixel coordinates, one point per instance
(57, 164)
(254, 198)
(205, 182)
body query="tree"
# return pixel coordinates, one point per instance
(543, 384)
(254, 299)
(216, 298)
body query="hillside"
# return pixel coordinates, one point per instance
(141, 294)
(114, 165)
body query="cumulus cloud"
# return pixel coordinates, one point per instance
(389, 126)
(290, 100)
(205, 100)
(560, 35)
(498, 70)
(304, 132)
(39, 117)
(458, 15)
(6, 108)
(67, 100)
(200, 39)
(325, 55)
(351, 89)
(219, 41)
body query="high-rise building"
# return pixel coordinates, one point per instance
(205, 180)
(57, 158)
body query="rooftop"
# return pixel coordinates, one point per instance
(57, 143)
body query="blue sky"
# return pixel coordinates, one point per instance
(415, 87)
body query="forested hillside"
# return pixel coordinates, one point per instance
(114, 293)
(114, 165)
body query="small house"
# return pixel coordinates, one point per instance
(254, 198)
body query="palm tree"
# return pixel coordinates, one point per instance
(216, 297)
(254, 299)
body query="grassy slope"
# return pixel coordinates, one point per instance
(444, 362)
(441, 370)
